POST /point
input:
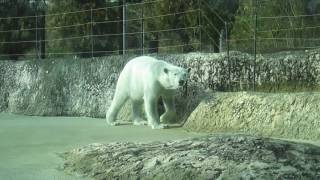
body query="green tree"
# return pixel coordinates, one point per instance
(11, 29)
(75, 37)
(280, 26)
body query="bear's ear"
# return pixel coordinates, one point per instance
(165, 70)
(189, 69)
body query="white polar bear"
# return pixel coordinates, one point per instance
(145, 79)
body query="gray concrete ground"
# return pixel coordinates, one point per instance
(29, 145)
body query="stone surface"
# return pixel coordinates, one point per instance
(290, 115)
(75, 87)
(210, 157)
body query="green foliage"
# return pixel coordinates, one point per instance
(284, 28)
(184, 20)
(242, 29)
(201, 21)
(170, 26)
(13, 9)
(78, 36)
(164, 15)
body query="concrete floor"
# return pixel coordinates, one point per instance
(29, 144)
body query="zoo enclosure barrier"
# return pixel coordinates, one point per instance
(201, 29)
(135, 33)
(133, 17)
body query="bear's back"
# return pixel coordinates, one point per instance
(139, 72)
(143, 65)
(143, 61)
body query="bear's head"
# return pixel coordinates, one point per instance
(173, 77)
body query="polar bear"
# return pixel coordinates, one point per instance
(145, 79)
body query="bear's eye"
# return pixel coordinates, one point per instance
(165, 70)
(175, 74)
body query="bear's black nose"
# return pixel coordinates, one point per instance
(181, 82)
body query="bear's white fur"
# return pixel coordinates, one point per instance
(145, 79)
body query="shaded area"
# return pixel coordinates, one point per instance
(210, 157)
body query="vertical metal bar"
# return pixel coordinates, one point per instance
(222, 37)
(199, 21)
(37, 49)
(228, 54)
(227, 36)
(91, 34)
(255, 45)
(43, 35)
(142, 28)
(124, 8)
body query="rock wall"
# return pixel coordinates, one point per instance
(75, 87)
(84, 87)
(288, 115)
(287, 71)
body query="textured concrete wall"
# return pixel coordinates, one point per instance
(84, 87)
(287, 71)
(77, 87)
(289, 115)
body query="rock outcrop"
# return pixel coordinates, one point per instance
(289, 115)
(209, 157)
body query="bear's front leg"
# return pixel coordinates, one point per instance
(170, 110)
(151, 109)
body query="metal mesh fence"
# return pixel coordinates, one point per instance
(139, 28)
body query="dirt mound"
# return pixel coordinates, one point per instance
(209, 157)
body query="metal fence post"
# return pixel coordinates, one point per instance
(37, 51)
(254, 2)
(91, 34)
(42, 41)
(228, 54)
(199, 16)
(142, 29)
(254, 51)
(124, 27)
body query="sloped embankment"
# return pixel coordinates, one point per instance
(289, 115)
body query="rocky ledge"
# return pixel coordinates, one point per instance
(209, 157)
(284, 115)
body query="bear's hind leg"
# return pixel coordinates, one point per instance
(118, 100)
(136, 113)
